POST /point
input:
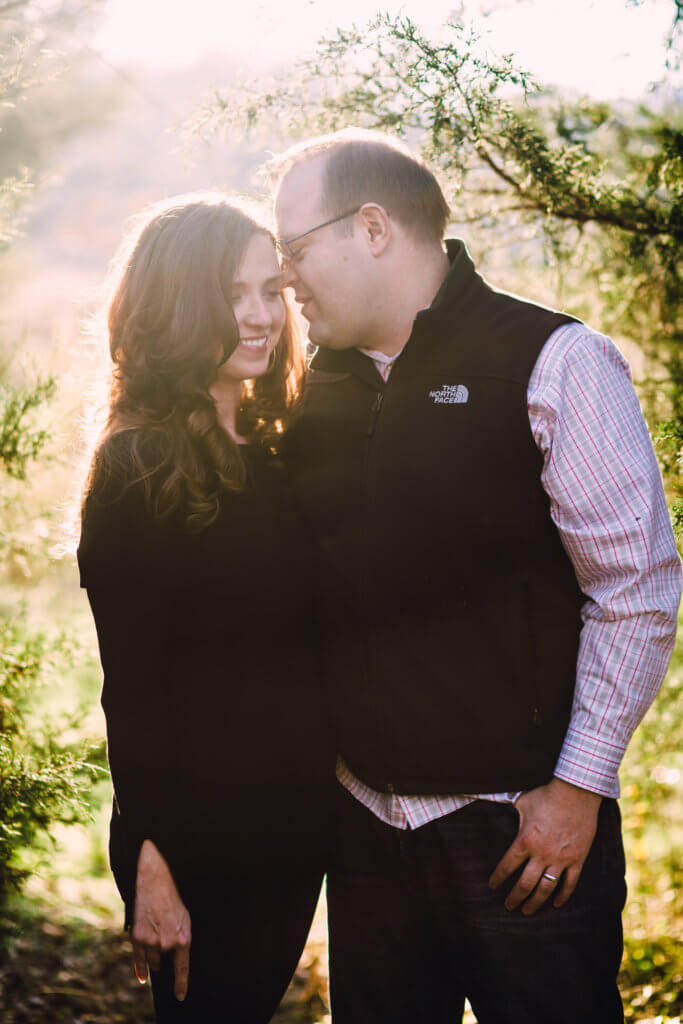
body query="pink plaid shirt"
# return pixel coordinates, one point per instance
(607, 501)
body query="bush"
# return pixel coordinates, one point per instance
(42, 780)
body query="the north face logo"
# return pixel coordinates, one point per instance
(450, 394)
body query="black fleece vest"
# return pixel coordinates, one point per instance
(451, 610)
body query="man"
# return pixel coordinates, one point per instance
(500, 585)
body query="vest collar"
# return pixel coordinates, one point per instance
(461, 284)
(348, 360)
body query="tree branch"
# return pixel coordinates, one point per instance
(10, 5)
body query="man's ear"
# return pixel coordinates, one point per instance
(375, 224)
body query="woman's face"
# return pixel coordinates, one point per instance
(259, 310)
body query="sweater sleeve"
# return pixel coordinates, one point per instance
(141, 698)
(132, 567)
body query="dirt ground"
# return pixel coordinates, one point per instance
(79, 973)
(61, 974)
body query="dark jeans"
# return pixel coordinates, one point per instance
(414, 928)
(247, 938)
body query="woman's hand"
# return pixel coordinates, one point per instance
(161, 921)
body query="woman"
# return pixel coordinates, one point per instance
(198, 572)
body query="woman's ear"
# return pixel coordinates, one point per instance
(376, 227)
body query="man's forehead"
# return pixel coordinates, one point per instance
(299, 197)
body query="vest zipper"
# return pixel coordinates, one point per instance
(375, 411)
(370, 463)
(370, 475)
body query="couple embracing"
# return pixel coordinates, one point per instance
(392, 618)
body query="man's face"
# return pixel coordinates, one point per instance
(328, 271)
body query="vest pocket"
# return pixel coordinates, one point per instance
(458, 679)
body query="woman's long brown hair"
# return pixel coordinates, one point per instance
(170, 323)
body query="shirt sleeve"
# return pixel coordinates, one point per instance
(608, 504)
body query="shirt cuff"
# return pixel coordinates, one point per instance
(590, 762)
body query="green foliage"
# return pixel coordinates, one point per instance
(20, 442)
(669, 447)
(18, 75)
(42, 780)
(651, 980)
(44, 777)
(653, 814)
(13, 194)
(455, 96)
(37, 44)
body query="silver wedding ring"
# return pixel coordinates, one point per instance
(553, 878)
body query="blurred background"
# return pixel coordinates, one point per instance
(556, 131)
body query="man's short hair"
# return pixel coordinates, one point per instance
(368, 167)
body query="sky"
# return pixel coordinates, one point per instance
(604, 48)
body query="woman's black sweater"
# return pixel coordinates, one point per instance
(217, 735)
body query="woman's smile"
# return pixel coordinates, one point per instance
(259, 344)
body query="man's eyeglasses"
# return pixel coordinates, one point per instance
(284, 243)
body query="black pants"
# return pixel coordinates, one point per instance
(246, 942)
(414, 928)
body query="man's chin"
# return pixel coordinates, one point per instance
(320, 338)
(323, 339)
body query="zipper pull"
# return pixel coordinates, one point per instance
(536, 718)
(375, 410)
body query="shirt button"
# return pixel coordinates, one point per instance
(390, 787)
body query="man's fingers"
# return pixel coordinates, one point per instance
(524, 886)
(181, 971)
(139, 962)
(545, 887)
(569, 883)
(534, 887)
(508, 864)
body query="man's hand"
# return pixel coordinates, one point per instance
(557, 824)
(161, 921)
